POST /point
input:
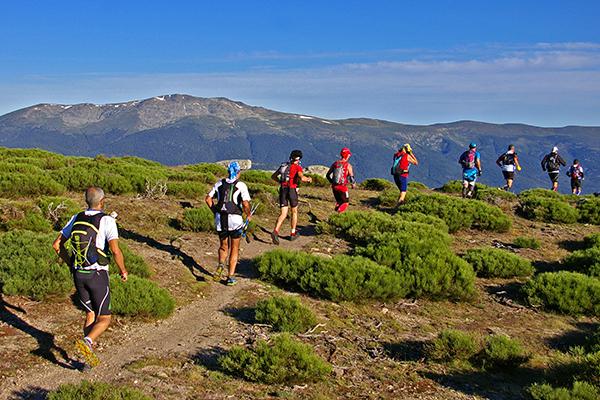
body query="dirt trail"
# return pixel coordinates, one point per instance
(193, 327)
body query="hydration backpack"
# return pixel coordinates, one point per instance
(508, 159)
(400, 165)
(284, 172)
(226, 204)
(340, 173)
(552, 164)
(84, 252)
(467, 159)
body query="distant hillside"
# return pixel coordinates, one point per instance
(182, 129)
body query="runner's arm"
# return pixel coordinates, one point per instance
(478, 165)
(304, 178)
(210, 202)
(351, 176)
(413, 159)
(544, 162)
(329, 174)
(247, 209)
(113, 245)
(499, 160)
(517, 162)
(275, 176)
(59, 248)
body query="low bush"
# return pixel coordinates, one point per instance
(257, 176)
(579, 391)
(567, 292)
(493, 195)
(285, 314)
(14, 184)
(214, 169)
(187, 189)
(283, 361)
(22, 215)
(29, 267)
(256, 189)
(544, 193)
(417, 185)
(388, 198)
(139, 297)
(339, 278)
(592, 240)
(95, 391)
(134, 263)
(451, 345)
(500, 351)
(317, 181)
(377, 184)
(526, 242)
(576, 365)
(586, 261)
(589, 211)
(199, 219)
(451, 187)
(496, 263)
(547, 209)
(460, 213)
(58, 210)
(430, 220)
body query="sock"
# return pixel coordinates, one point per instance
(294, 231)
(343, 207)
(88, 340)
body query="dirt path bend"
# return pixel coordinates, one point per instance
(193, 327)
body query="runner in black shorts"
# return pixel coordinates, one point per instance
(288, 196)
(93, 291)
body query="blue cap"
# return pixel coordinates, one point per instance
(472, 145)
(233, 169)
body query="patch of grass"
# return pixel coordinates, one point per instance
(377, 184)
(501, 351)
(388, 197)
(285, 314)
(58, 210)
(134, 263)
(547, 209)
(526, 242)
(317, 181)
(283, 361)
(186, 189)
(199, 219)
(454, 186)
(139, 297)
(257, 176)
(496, 263)
(23, 215)
(589, 211)
(567, 292)
(579, 391)
(451, 345)
(586, 261)
(87, 390)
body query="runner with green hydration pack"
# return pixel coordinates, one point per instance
(470, 161)
(289, 175)
(509, 163)
(339, 175)
(91, 234)
(575, 172)
(551, 163)
(402, 160)
(229, 199)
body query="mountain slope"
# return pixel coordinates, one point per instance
(182, 129)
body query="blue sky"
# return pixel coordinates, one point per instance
(407, 61)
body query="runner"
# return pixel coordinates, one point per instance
(551, 163)
(89, 233)
(289, 174)
(232, 201)
(509, 162)
(470, 161)
(575, 172)
(339, 175)
(403, 158)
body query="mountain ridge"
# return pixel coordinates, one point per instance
(184, 129)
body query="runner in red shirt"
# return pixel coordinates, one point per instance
(289, 174)
(340, 174)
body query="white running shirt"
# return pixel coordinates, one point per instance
(235, 222)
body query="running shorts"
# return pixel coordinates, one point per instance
(508, 174)
(288, 196)
(401, 182)
(93, 290)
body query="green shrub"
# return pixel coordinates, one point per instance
(284, 361)
(430, 220)
(58, 210)
(257, 176)
(258, 188)
(589, 211)
(500, 351)
(29, 267)
(377, 184)
(285, 314)
(134, 263)
(186, 189)
(388, 198)
(339, 278)
(95, 391)
(451, 345)
(567, 292)
(496, 263)
(20, 184)
(214, 169)
(592, 240)
(451, 187)
(317, 181)
(492, 194)
(576, 365)
(417, 185)
(199, 219)
(526, 242)
(586, 261)
(460, 213)
(22, 215)
(547, 209)
(544, 193)
(139, 297)
(580, 391)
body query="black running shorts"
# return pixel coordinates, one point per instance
(575, 183)
(236, 234)
(508, 174)
(341, 197)
(93, 291)
(288, 196)
(553, 176)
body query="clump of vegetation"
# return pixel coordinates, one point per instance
(586, 261)
(544, 193)
(257, 176)
(579, 391)
(501, 351)
(592, 240)
(589, 211)
(22, 215)
(186, 189)
(283, 361)
(58, 210)
(496, 263)
(199, 219)
(451, 345)
(526, 242)
(460, 213)
(417, 185)
(29, 267)
(317, 181)
(135, 264)
(215, 169)
(95, 391)
(547, 209)
(377, 184)
(339, 278)
(285, 314)
(140, 297)
(388, 197)
(454, 186)
(567, 292)
(492, 194)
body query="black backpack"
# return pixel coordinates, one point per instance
(84, 252)
(509, 159)
(552, 163)
(284, 172)
(225, 203)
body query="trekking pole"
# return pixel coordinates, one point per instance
(247, 222)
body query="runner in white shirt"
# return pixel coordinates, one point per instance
(232, 201)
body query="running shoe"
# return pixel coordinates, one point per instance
(293, 237)
(218, 273)
(231, 281)
(87, 352)
(275, 237)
